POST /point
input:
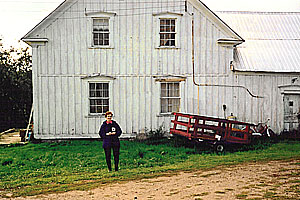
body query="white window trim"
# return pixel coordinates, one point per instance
(109, 97)
(97, 79)
(102, 15)
(160, 97)
(167, 15)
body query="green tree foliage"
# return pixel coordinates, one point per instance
(15, 87)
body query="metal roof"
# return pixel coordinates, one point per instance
(272, 40)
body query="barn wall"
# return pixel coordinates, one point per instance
(238, 101)
(64, 64)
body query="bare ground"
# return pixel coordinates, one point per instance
(271, 180)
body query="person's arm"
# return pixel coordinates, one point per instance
(119, 131)
(102, 132)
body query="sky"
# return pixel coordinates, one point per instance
(17, 17)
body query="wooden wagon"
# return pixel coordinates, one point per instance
(215, 131)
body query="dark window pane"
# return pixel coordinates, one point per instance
(173, 43)
(172, 28)
(99, 109)
(105, 102)
(92, 109)
(105, 94)
(92, 86)
(168, 29)
(172, 36)
(92, 94)
(92, 102)
(162, 22)
(105, 86)
(105, 109)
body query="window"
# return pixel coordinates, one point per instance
(167, 32)
(101, 32)
(170, 98)
(98, 98)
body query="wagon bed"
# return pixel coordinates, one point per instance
(213, 130)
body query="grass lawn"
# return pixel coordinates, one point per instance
(55, 167)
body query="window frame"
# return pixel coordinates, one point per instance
(167, 15)
(170, 97)
(170, 32)
(101, 32)
(111, 21)
(97, 98)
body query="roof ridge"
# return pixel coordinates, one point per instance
(259, 12)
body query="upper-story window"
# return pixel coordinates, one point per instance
(101, 32)
(167, 32)
(101, 26)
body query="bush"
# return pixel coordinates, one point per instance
(157, 136)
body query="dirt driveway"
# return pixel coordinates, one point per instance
(272, 180)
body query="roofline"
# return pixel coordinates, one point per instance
(226, 41)
(35, 27)
(264, 71)
(213, 13)
(35, 40)
(257, 12)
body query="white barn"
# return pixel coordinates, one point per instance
(143, 60)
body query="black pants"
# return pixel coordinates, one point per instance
(116, 152)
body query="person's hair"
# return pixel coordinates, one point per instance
(108, 113)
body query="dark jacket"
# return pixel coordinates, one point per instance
(110, 140)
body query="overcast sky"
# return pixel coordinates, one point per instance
(17, 17)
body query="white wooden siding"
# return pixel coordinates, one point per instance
(61, 92)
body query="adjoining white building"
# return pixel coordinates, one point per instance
(268, 63)
(143, 60)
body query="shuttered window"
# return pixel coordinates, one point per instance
(101, 32)
(98, 97)
(170, 97)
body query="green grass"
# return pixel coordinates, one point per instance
(56, 167)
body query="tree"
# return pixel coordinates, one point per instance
(15, 87)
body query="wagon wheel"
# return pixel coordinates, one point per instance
(220, 148)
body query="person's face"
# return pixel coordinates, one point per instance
(108, 118)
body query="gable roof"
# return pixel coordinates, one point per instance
(32, 34)
(51, 17)
(218, 20)
(272, 40)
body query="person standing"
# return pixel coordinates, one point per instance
(110, 132)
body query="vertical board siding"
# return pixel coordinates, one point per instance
(61, 93)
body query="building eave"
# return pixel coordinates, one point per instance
(35, 41)
(229, 42)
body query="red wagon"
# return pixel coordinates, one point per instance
(217, 132)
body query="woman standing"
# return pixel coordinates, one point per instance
(110, 132)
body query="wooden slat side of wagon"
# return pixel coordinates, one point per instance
(216, 131)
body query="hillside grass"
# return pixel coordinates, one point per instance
(80, 165)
